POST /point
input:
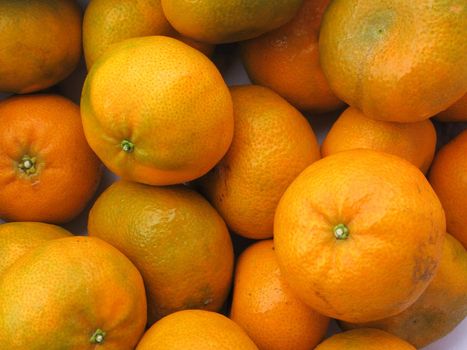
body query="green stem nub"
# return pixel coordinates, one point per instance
(127, 146)
(98, 337)
(28, 165)
(341, 232)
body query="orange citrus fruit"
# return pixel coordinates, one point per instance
(395, 60)
(265, 307)
(40, 43)
(72, 293)
(47, 170)
(364, 338)
(218, 22)
(455, 113)
(359, 235)
(17, 238)
(440, 308)
(415, 142)
(287, 61)
(272, 144)
(107, 22)
(157, 111)
(196, 330)
(174, 237)
(448, 176)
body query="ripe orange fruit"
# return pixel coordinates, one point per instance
(287, 61)
(107, 22)
(448, 178)
(217, 22)
(272, 144)
(416, 142)
(72, 293)
(40, 43)
(440, 308)
(359, 235)
(196, 330)
(17, 238)
(157, 111)
(364, 338)
(455, 113)
(265, 307)
(175, 238)
(395, 60)
(47, 170)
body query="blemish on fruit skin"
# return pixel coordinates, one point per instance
(280, 43)
(424, 269)
(456, 9)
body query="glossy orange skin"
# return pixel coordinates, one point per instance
(167, 99)
(107, 22)
(396, 60)
(74, 286)
(448, 176)
(396, 227)
(439, 309)
(287, 61)
(265, 307)
(455, 113)
(17, 238)
(272, 144)
(415, 142)
(227, 21)
(195, 330)
(364, 338)
(174, 237)
(47, 127)
(40, 43)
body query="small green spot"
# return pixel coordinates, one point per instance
(28, 165)
(127, 146)
(341, 232)
(98, 337)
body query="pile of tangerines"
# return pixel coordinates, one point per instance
(351, 230)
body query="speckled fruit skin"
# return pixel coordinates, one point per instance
(388, 255)
(265, 307)
(107, 22)
(439, 309)
(415, 142)
(396, 60)
(17, 238)
(176, 239)
(273, 143)
(287, 61)
(40, 43)
(196, 330)
(75, 287)
(217, 22)
(448, 178)
(157, 111)
(364, 338)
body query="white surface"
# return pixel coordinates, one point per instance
(235, 75)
